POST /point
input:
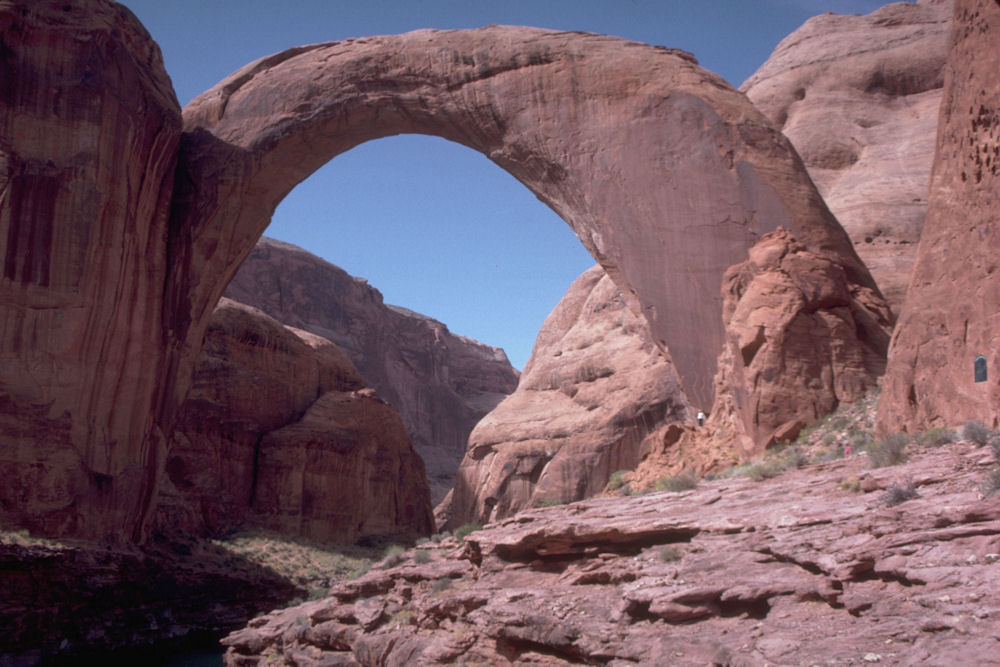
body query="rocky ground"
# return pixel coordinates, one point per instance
(833, 563)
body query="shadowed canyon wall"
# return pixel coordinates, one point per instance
(666, 174)
(952, 310)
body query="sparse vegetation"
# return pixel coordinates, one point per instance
(617, 480)
(462, 531)
(670, 554)
(440, 586)
(421, 556)
(889, 451)
(625, 490)
(936, 437)
(394, 555)
(897, 494)
(683, 482)
(991, 483)
(852, 484)
(976, 432)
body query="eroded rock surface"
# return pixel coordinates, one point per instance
(792, 322)
(442, 384)
(280, 432)
(952, 311)
(89, 131)
(733, 572)
(858, 96)
(596, 385)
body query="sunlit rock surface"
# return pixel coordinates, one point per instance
(858, 96)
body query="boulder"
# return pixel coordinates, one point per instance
(951, 313)
(858, 96)
(280, 432)
(595, 386)
(441, 384)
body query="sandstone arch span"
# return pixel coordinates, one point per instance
(122, 225)
(665, 173)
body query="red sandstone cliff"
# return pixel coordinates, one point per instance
(858, 96)
(280, 432)
(952, 310)
(442, 384)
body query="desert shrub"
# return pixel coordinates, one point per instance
(393, 556)
(852, 484)
(359, 571)
(763, 470)
(889, 451)
(421, 556)
(936, 437)
(625, 490)
(440, 585)
(318, 592)
(617, 480)
(462, 531)
(670, 554)
(437, 537)
(976, 432)
(684, 482)
(548, 502)
(897, 494)
(991, 483)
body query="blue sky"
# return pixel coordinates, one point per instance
(435, 226)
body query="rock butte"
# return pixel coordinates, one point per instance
(858, 96)
(952, 309)
(107, 291)
(442, 384)
(595, 387)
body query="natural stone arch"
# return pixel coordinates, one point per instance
(666, 174)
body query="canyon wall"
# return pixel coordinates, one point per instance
(442, 384)
(280, 432)
(89, 132)
(858, 96)
(952, 310)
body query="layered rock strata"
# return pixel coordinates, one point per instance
(596, 385)
(732, 572)
(858, 96)
(280, 432)
(952, 311)
(442, 384)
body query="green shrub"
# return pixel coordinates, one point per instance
(991, 483)
(852, 484)
(617, 480)
(625, 490)
(897, 494)
(936, 437)
(462, 531)
(976, 432)
(683, 482)
(393, 556)
(421, 556)
(889, 451)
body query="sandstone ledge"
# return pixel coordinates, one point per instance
(733, 572)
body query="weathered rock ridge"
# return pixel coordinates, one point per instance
(596, 385)
(952, 310)
(734, 572)
(115, 260)
(442, 384)
(280, 432)
(858, 96)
